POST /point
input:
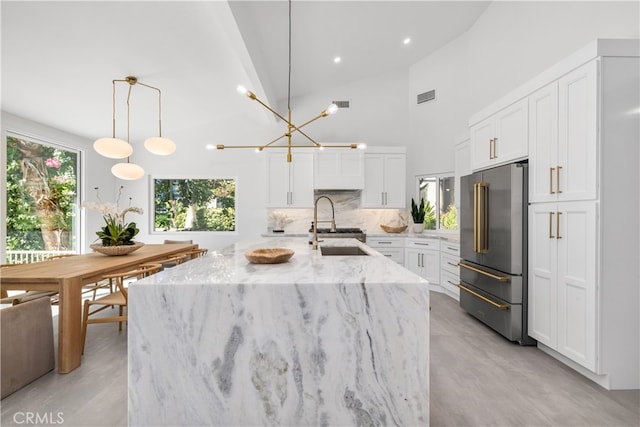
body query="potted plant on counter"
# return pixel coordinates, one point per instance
(417, 213)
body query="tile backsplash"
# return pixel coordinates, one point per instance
(347, 213)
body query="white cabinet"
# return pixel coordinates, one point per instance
(390, 247)
(449, 270)
(338, 169)
(422, 256)
(583, 218)
(562, 135)
(384, 180)
(290, 185)
(562, 279)
(501, 137)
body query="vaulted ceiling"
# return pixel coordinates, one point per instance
(59, 58)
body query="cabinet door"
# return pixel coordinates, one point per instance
(413, 261)
(431, 266)
(576, 239)
(372, 195)
(543, 144)
(338, 169)
(395, 181)
(511, 137)
(482, 135)
(278, 192)
(301, 181)
(577, 138)
(542, 287)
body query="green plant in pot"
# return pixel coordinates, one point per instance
(418, 214)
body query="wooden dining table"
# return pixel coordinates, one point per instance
(67, 276)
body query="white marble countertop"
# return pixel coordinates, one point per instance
(307, 266)
(318, 340)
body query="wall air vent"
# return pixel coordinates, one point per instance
(426, 96)
(341, 104)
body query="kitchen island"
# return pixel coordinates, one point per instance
(318, 340)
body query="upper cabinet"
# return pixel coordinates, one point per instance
(384, 178)
(339, 169)
(290, 185)
(500, 138)
(562, 136)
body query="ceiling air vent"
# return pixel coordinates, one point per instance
(341, 104)
(426, 96)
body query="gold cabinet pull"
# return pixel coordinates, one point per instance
(483, 298)
(558, 180)
(491, 149)
(551, 181)
(477, 270)
(558, 236)
(551, 236)
(495, 144)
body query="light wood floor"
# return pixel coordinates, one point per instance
(477, 379)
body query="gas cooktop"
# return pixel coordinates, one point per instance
(340, 230)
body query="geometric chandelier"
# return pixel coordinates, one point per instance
(291, 127)
(116, 148)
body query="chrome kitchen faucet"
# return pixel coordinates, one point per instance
(315, 220)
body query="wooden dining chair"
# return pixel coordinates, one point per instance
(117, 298)
(196, 253)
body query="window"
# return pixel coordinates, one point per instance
(194, 204)
(42, 200)
(438, 193)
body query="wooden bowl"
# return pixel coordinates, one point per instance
(269, 255)
(390, 229)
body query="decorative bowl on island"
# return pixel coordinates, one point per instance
(269, 255)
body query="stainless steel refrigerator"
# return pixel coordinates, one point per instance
(493, 249)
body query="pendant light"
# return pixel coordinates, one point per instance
(291, 128)
(115, 148)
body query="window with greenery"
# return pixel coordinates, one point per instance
(42, 199)
(194, 205)
(438, 193)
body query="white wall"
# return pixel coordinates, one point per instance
(377, 114)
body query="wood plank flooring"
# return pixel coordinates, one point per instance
(477, 379)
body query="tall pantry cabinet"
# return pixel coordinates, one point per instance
(584, 129)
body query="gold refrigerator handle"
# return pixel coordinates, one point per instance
(475, 218)
(480, 225)
(485, 273)
(483, 298)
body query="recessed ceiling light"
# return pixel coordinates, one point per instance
(337, 59)
(406, 41)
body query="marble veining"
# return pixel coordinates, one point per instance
(315, 341)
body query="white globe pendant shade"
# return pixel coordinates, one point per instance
(127, 171)
(113, 148)
(160, 145)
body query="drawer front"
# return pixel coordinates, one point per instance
(385, 242)
(449, 263)
(450, 283)
(451, 248)
(433, 244)
(394, 254)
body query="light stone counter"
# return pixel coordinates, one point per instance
(319, 340)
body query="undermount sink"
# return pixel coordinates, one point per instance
(342, 251)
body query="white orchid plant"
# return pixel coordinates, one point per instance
(280, 219)
(117, 231)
